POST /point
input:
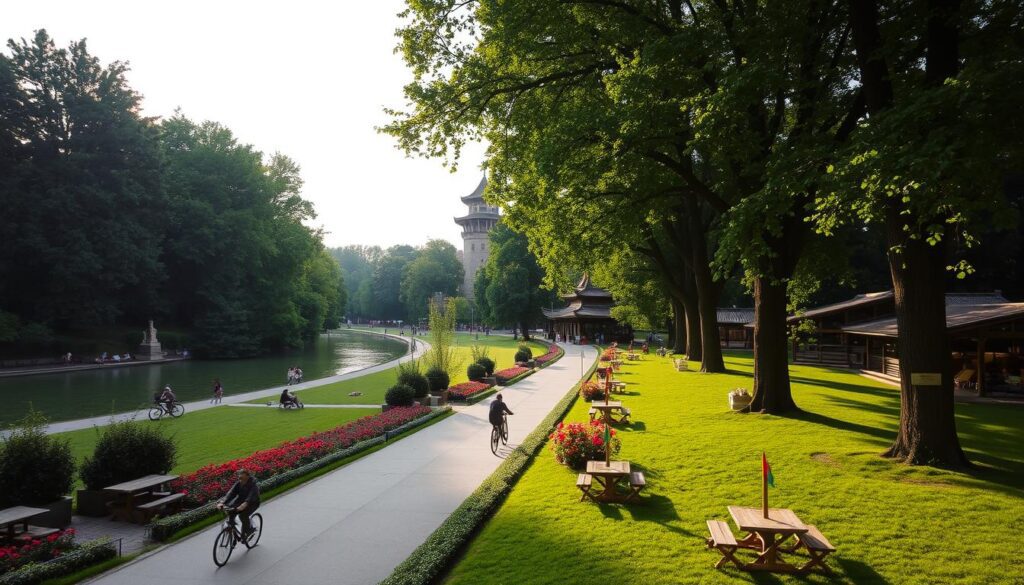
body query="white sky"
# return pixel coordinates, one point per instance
(306, 78)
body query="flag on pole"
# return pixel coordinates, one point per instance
(766, 471)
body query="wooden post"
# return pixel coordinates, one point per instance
(981, 366)
(608, 443)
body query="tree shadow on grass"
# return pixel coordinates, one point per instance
(859, 572)
(637, 425)
(890, 393)
(880, 436)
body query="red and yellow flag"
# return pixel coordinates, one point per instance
(766, 470)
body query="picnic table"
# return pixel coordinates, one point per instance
(766, 534)
(10, 518)
(139, 497)
(606, 408)
(609, 475)
(618, 387)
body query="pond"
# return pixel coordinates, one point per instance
(85, 393)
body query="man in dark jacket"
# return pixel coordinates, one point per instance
(243, 498)
(498, 408)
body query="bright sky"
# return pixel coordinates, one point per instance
(306, 78)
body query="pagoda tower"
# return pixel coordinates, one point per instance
(475, 226)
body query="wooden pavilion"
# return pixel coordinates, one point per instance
(732, 327)
(587, 317)
(861, 333)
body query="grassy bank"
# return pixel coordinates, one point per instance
(891, 523)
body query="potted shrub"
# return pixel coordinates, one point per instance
(125, 451)
(476, 372)
(397, 396)
(488, 364)
(524, 355)
(36, 470)
(410, 375)
(739, 399)
(438, 379)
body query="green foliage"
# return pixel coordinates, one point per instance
(125, 451)
(35, 468)
(443, 355)
(410, 375)
(438, 379)
(526, 350)
(88, 555)
(386, 286)
(487, 363)
(400, 395)
(475, 371)
(508, 288)
(436, 268)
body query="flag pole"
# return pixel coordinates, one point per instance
(607, 441)
(764, 486)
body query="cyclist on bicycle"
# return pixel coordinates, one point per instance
(167, 398)
(498, 409)
(242, 499)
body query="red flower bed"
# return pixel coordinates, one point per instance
(466, 389)
(576, 443)
(509, 373)
(590, 391)
(213, 481)
(550, 355)
(608, 354)
(36, 551)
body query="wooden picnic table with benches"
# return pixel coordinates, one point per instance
(606, 408)
(140, 498)
(767, 535)
(609, 476)
(11, 518)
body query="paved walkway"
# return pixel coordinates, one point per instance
(354, 525)
(98, 421)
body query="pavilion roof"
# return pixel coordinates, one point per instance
(955, 298)
(735, 316)
(959, 317)
(478, 193)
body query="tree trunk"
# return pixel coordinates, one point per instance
(771, 362)
(679, 339)
(526, 331)
(927, 431)
(707, 295)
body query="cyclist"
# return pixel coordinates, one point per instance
(498, 409)
(242, 499)
(167, 398)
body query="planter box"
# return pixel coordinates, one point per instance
(58, 516)
(93, 503)
(531, 364)
(440, 398)
(739, 402)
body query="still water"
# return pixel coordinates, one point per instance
(105, 391)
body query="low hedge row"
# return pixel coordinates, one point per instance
(88, 554)
(163, 528)
(429, 561)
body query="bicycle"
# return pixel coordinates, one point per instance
(229, 536)
(157, 411)
(499, 432)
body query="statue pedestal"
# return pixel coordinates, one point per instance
(149, 350)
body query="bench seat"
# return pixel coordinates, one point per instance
(35, 532)
(150, 509)
(584, 482)
(637, 482)
(818, 547)
(722, 539)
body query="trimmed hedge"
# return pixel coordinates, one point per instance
(87, 555)
(163, 528)
(429, 561)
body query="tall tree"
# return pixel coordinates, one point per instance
(436, 269)
(508, 288)
(387, 282)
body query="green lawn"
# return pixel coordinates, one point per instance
(220, 434)
(502, 349)
(891, 523)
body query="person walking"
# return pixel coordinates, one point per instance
(218, 391)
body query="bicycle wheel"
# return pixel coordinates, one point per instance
(155, 413)
(256, 521)
(177, 410)
(495, 436)
(223, 546)
(504, 431)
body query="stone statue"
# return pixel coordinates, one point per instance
(150, 348)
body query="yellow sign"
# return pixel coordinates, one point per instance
(926, 379)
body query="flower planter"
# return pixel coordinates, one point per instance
(57, 516)
(739, 402)
(93, 503)
(441, 397)
(490, 380)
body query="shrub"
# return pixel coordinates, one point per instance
(591, 391)
(126, 451)
(36, 550)
(438, 379)
(400, 395)
(576, 443)
(522, 357)
(35, 468)
(475, 372)
(488, 364)
(523, 348)
(67, 563)
(410, 375)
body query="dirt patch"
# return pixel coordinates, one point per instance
(825, 459)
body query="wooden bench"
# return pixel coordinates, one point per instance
(584, 482)
(723, 540)
(35, 532)
(680, 364)
(818, 547)
(637, 482)
(150, 509)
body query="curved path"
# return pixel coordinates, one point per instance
(97, 421)
(354, 525)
